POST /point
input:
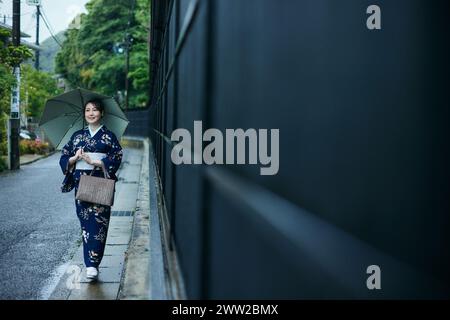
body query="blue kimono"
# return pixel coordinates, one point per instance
(94, 218)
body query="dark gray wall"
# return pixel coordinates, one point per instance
(139, 122)
(363, 118)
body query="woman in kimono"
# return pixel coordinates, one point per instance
(89, 149)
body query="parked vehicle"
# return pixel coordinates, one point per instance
(28, 135)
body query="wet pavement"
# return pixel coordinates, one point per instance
(39, 230)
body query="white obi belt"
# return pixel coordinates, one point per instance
(83, 165)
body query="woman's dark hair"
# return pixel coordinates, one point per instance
(97, 103)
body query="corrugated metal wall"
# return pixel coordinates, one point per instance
(363, 118)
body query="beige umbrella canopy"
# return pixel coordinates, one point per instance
(63, 115)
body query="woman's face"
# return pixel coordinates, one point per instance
(92, 114)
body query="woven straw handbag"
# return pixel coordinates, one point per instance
(96, 189)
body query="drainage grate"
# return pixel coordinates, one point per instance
(122, 213)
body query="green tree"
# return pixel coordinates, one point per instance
(93, 56)
(6, 81)
(9, 56)
(36, 88)
(70, 61)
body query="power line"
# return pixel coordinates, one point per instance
(51, 33)
(44, 18)
(48, 20)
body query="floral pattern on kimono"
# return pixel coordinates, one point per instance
(94, 218)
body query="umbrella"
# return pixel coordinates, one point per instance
(63, 115)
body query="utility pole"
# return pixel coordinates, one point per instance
(127, 67)
(38, 13)
(128, 40)
(14, 121)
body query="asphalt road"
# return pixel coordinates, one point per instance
(39, 229)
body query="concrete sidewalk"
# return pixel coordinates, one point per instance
(113, 282)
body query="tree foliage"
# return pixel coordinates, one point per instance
(9, 56)
(93, 56)
(35, 86)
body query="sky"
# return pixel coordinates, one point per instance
(59, 14)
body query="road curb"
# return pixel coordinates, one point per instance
(135, 280)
